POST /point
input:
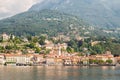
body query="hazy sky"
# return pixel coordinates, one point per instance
(12, 7)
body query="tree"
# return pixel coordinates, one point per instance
(35, 39)
(37, 50)
(80, 43)
(72, 43)
(109, 61)
(42, 40)
(98, 49)
(17, 40)
(91, 61)
(70, 50)
(31, 45)
(29, 38)
(100, 61)
(1, 48)
(9, 47)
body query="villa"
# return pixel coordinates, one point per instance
(17, 59)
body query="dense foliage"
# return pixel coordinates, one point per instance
(99, 48)
(49, 22)
(83, 46)
(52, 23)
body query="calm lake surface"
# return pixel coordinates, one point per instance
(59, 73)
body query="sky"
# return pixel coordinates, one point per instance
(11, 7)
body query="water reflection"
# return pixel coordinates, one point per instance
(59, 73)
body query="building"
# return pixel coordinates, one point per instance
(10, 59)
(75, 60)
(2, 60)
(50, 61)
(30, 51)
(95, 43)
(58, 61)
(67, 62)
(41, 60)
(18, 59)
(104, 57)
(84, 60)
(49, 46)
(5, 37)
(28, 59)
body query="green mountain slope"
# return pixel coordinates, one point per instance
(49, 22)
(102, 13)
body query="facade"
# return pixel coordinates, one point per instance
(84, 60)
(104, 57)
(67, 62)
(50, 61)
(58, 61)
(23, 59)
(10, 59)
(75, 60)
(2, 61)
(49, 46)
(41, 60)
(5, 37)
(18, 59)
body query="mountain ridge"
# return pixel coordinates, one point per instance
(53, 19)
(99, 13)
(46, 21)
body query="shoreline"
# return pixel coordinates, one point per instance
(89, 65)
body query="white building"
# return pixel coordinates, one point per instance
(18, 59)
(2, 61)
(5, 37)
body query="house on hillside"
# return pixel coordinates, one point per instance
(5, 37)
(95, 43)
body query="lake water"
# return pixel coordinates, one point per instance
(59, 73)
